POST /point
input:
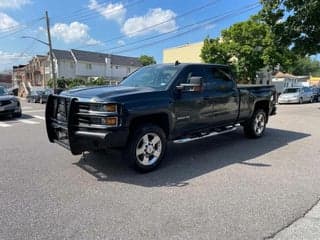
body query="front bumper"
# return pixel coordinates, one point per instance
(288, 100)
(11, 108)
(77, 138)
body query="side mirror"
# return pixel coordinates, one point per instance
(195, 85)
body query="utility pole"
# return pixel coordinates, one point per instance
(51, 54)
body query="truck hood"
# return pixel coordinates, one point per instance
(105, 92)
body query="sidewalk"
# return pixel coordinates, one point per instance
(305, 228)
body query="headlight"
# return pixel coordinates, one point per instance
(110, 108)
(110, 121)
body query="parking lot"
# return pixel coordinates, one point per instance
(225, 187)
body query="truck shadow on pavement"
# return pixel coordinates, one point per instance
(186, 161)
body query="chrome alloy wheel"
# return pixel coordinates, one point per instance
(148, 149)
(259, 123)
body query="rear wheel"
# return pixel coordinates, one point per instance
(256, 126)
(146, 148)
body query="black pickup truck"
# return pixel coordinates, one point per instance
(154, 105)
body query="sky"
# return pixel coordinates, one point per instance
(128, 28)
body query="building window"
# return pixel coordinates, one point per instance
(89, 66)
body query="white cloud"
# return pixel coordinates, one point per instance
(74, 32)
(135, 26)
(13, 3)
(210, 26)
(116, 11)
(121, 42)
(7, 59)
(7, 22)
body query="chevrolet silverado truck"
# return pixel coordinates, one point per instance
(154, 105)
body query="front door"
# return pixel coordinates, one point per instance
(192, 110)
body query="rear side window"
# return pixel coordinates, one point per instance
(219, 79)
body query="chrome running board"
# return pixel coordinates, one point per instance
(228, 129)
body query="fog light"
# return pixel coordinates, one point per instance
(110, 121)
(110, 108)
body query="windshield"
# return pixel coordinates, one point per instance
(3, 91)
(291, 90)
(155, 76)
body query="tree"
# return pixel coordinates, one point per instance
(295, 23)
(305, 66)
(248, 46)
(147, 60)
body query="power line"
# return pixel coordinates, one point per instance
(91, 13)
(191, 11)
(20, 29)
(197, 26)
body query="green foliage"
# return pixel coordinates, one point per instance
(295, 23)
(147, 60)
(248, 46)
(66, 83)
(305, 66)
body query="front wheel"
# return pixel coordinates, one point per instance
(146, 148)
(300, 100)
(256, 126)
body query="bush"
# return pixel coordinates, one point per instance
(66, 83)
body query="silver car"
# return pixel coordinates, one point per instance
(296, 95)
(9, 105)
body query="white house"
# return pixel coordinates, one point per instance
(85, 64)
(64, 64)
(284, 80)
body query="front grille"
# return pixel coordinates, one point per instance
(5, 102)
(61, 107)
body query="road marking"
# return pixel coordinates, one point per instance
(28, 121)
(31, 111)
(4, 125)
(39, 117)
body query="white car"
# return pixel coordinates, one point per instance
(296, 95)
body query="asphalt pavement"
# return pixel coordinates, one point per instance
(225, 187)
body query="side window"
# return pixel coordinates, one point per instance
(219, 79)
(192, 71)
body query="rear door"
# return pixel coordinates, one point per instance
(221, 88)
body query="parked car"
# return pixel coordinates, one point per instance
(44, 95)
(296, 95)
(157, 104)
(39, 95)
(316, 94)
(9, 105)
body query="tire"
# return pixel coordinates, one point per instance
(146, 148)
(17, 115)
(256, 126)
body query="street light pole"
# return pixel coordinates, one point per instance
(51, 54)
